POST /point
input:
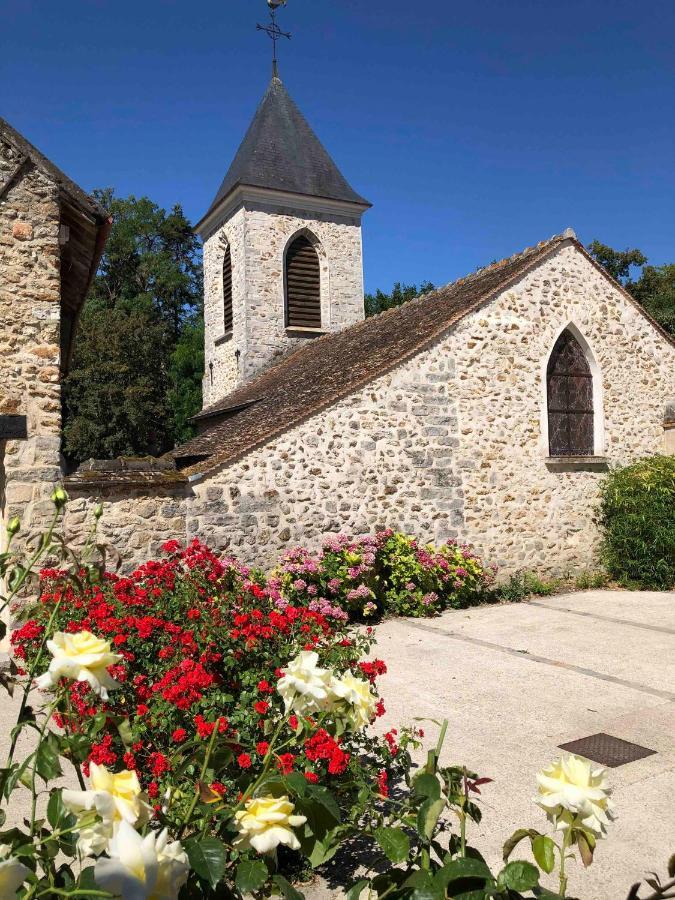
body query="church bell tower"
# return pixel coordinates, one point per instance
(282, 248)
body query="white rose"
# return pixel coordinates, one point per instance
(142, 868)
(12, 873)
(266, 822)
(304, 686)
(357, 694)
(115, 797)
(571, 791)
(80, 657)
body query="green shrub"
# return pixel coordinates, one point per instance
(589, 581)
(637, 515)
(522, 584)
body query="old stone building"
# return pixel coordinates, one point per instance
(488, 410)
(51, 238)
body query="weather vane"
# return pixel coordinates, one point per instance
(274, 32)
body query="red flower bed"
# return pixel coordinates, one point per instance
(202, 642)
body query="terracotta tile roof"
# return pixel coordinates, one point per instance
(335, 365)
(142, 472)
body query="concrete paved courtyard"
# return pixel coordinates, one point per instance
(515, 681)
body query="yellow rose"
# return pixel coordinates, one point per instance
(359, 698)
(304, 686)
(146, 867)
(80, 657)
(115, 798)
(266, 822)
(571, 791)
(12, 873)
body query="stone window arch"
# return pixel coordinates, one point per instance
(302, 282)
(228, 312)
(573, 398)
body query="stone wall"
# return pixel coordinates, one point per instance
(29, 331)
(258, 234)
(135, 521)
(520, 510)
(453, 443)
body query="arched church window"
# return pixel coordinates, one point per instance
(227, 291)
(569, 384)
(303, 285)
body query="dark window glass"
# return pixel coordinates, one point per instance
(569, 384)
(227, 291)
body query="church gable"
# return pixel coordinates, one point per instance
(336, 365)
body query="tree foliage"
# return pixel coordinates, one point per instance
(654, 288)
(136, 372)
(400, 293)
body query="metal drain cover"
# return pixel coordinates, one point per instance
(607, 750)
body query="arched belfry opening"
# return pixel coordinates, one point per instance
(302, 284)
(570, 399)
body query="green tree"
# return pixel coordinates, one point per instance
(654, 288)
(116, 393)
(186, 368)
(617, 262)
(132, 388)
(400, 293)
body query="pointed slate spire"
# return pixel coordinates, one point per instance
(281, 152)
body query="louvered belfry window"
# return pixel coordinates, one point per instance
(303, 285)
(569, 385)
(227, 291)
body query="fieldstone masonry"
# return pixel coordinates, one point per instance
(258, 233)
(30, 289)
(451, 444)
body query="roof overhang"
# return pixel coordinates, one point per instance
(244, 193)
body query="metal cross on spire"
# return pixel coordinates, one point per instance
(274, 32)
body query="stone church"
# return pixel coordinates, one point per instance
(487, 411)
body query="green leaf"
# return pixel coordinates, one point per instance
(47, 760)
(515, 839)
(324, 849)
(207, 857)
(55, 808)
(124, 730)
(543, 848)
(463, 869)
(297, 783)
(326, 799)
(287, 890)
(428, 816)
(394, 842)
(251, 875)
(426, 785)
(423, 886)
(355, 890)
(87, 881)
(519, 876)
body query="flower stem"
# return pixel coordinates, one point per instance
(563, 854)
(29, 681)
(266, 764)
(207, 757)
(33, 791)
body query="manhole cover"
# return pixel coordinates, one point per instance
(607, 750)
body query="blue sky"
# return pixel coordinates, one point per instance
(475, 129)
